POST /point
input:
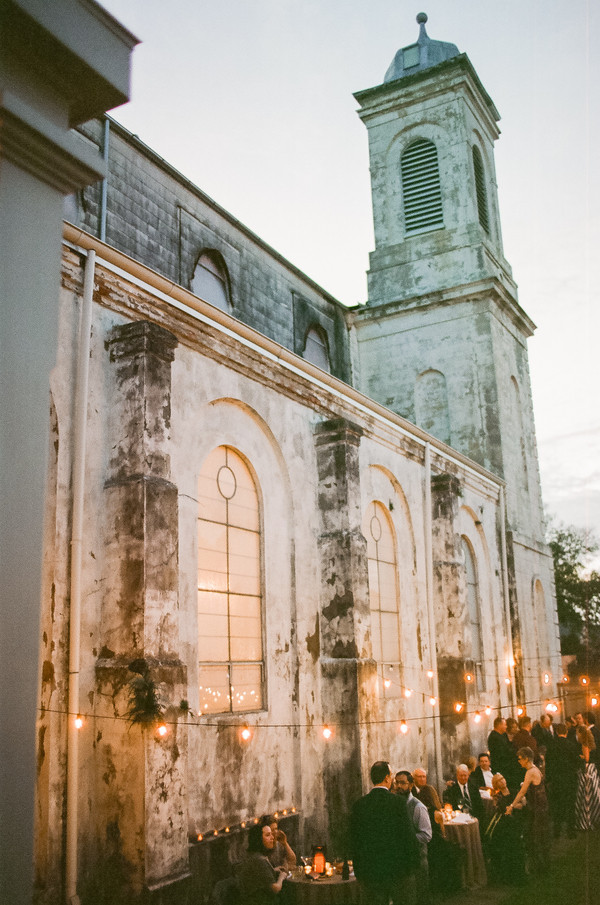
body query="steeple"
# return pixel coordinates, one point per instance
(422, 55)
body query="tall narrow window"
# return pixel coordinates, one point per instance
(421, 188)
(383, 597)
(230, 648)
(315, 349)
(431, 404)
(474, 610)
(482, 204)
(210, 281)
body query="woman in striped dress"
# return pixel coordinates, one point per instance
(587, 803)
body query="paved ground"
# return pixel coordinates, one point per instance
(572, 879)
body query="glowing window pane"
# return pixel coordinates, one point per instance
(229, 582)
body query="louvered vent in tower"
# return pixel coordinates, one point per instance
(421, 186)
(482, 205)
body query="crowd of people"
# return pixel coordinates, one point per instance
(533, 781)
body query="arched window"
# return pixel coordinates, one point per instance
(383, 598)
(315, 349)
(431, 404)
(421, 188)
(210, 281)
(230, 646)
(474, 611)
(482, 204)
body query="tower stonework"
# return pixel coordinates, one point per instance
(443, 313)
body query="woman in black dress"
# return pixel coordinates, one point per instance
(503, 838)
(537, 817)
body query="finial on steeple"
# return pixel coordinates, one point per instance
(422, 19)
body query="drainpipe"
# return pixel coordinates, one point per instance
(431, 613)
(510, 653)
(79, 441)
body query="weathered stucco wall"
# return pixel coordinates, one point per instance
(165, 390)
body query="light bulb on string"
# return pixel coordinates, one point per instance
(327, 733)
(507, 680)
(430, 673)
(546, 678)
(387, 683)
(477, 717)
(520, 711)
(246, 734)
(487, 710)
(432, 701)
(585, 680)
(594, 702)
(458, 707)
(78, 721)
(161, 730)
(403, 727)
(468, 677)
(407, 692)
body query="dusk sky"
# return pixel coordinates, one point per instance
(252, 101)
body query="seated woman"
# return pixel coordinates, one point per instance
(259, 881)
(537, 819)
(503, 838)
(282, 854)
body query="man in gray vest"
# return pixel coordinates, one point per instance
(403, 785)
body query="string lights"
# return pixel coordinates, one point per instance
(234, 828)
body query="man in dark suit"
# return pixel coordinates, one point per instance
(464, 795)
(562, 765)
(383, 843)
(503, 756)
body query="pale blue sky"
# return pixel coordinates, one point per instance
(252, 100)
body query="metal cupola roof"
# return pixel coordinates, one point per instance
(422, 55)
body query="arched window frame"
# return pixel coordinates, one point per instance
(385, 622)
(481, 194)
(421, 187)
(321, 341)
(213, 272)
(230, 586)
(473, 600)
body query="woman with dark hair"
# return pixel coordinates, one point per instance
(282, 854)
(259, 882)
(587, 804)
(537, 820)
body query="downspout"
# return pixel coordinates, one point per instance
(79, 444)
(428, 520)
(510, 652)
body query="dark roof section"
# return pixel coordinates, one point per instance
(422, 55)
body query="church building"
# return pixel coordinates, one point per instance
(283, 538)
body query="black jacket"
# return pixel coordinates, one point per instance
(383, 843)
(454, 795)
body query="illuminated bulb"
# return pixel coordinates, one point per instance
(162, 730)
(276, 815)
(407, 692)
(468, 677)
(549, 707)
(430, 673)
(487, 710)
(284, 812)
(458, 707)
(565, 679)
(403, 727)
(200, 837)
(226, 829)
(78, 721)
(327, 733)
(256, 819)
(477, 717)
(511, 663)
(246, 734)
(585, 680)
(594, 702)
(507, 680)
(432, 701)
(387, 682)
(293, 810)
(243, 824)
(215, 833)
(546, 679)
(520, 711)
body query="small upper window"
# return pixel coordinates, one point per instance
(482, 205)
(210, 281)
(315, 349)
(421, 188)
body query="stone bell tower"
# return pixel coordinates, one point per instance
(443, 311)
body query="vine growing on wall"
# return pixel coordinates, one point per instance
(145, 702)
